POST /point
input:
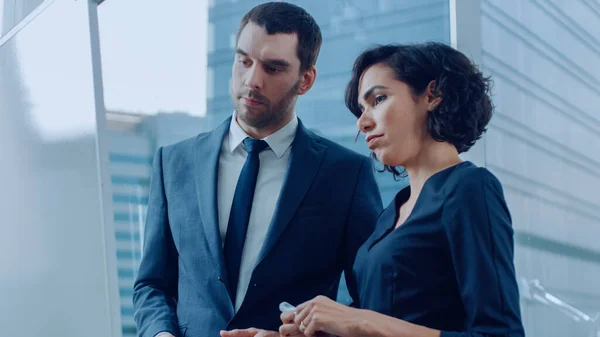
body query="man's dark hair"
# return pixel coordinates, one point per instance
(286, 18)
(466, 108)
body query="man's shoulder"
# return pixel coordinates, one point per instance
(186, 145)
(338, 151)
(191, 144)
(182, 146)
(182, 154)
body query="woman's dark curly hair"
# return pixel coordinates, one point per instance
(466, 108)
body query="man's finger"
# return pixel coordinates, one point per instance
(231, 333)
(267, 333)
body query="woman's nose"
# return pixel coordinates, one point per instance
(365, 123)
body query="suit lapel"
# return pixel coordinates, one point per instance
(306, 156)
(207, 166)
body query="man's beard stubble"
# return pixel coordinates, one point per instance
(273, 114)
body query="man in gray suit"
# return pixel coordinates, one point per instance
(260, 210)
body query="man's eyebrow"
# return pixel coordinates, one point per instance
(281, 63)
(277, 63)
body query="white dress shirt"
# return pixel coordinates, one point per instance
(274, 162)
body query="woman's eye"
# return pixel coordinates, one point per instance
(379, 99)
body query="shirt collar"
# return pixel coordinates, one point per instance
(278, 142)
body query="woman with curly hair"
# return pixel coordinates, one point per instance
(440, 262)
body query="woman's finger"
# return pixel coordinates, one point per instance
(311, 328)
(287, 317)
(301, 314)
(303, 305)
(289, 330)
(306, 323)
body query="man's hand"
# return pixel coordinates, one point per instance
(251, 332)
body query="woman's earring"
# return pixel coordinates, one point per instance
(433, 105)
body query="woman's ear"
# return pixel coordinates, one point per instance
(433, 95)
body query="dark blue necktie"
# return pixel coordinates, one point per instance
(240, 213)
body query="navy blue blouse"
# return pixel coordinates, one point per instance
(450, 265)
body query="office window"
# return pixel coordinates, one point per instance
(210, 38)
(543, 145)
(210, 78)
(154, 74)
(232, 40)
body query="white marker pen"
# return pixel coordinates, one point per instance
(285, 306)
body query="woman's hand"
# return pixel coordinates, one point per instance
(289, 328)
(323, 315)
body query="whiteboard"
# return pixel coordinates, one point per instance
(57, 256)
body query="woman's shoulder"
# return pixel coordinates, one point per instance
(468, 180)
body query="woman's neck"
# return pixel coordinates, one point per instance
(433, 157)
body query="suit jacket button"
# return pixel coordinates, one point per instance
(254, 285)
(221, 279)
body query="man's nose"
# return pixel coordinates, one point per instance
(255, 79)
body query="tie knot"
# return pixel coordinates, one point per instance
(254, 145)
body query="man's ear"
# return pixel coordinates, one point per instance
(307, 80)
